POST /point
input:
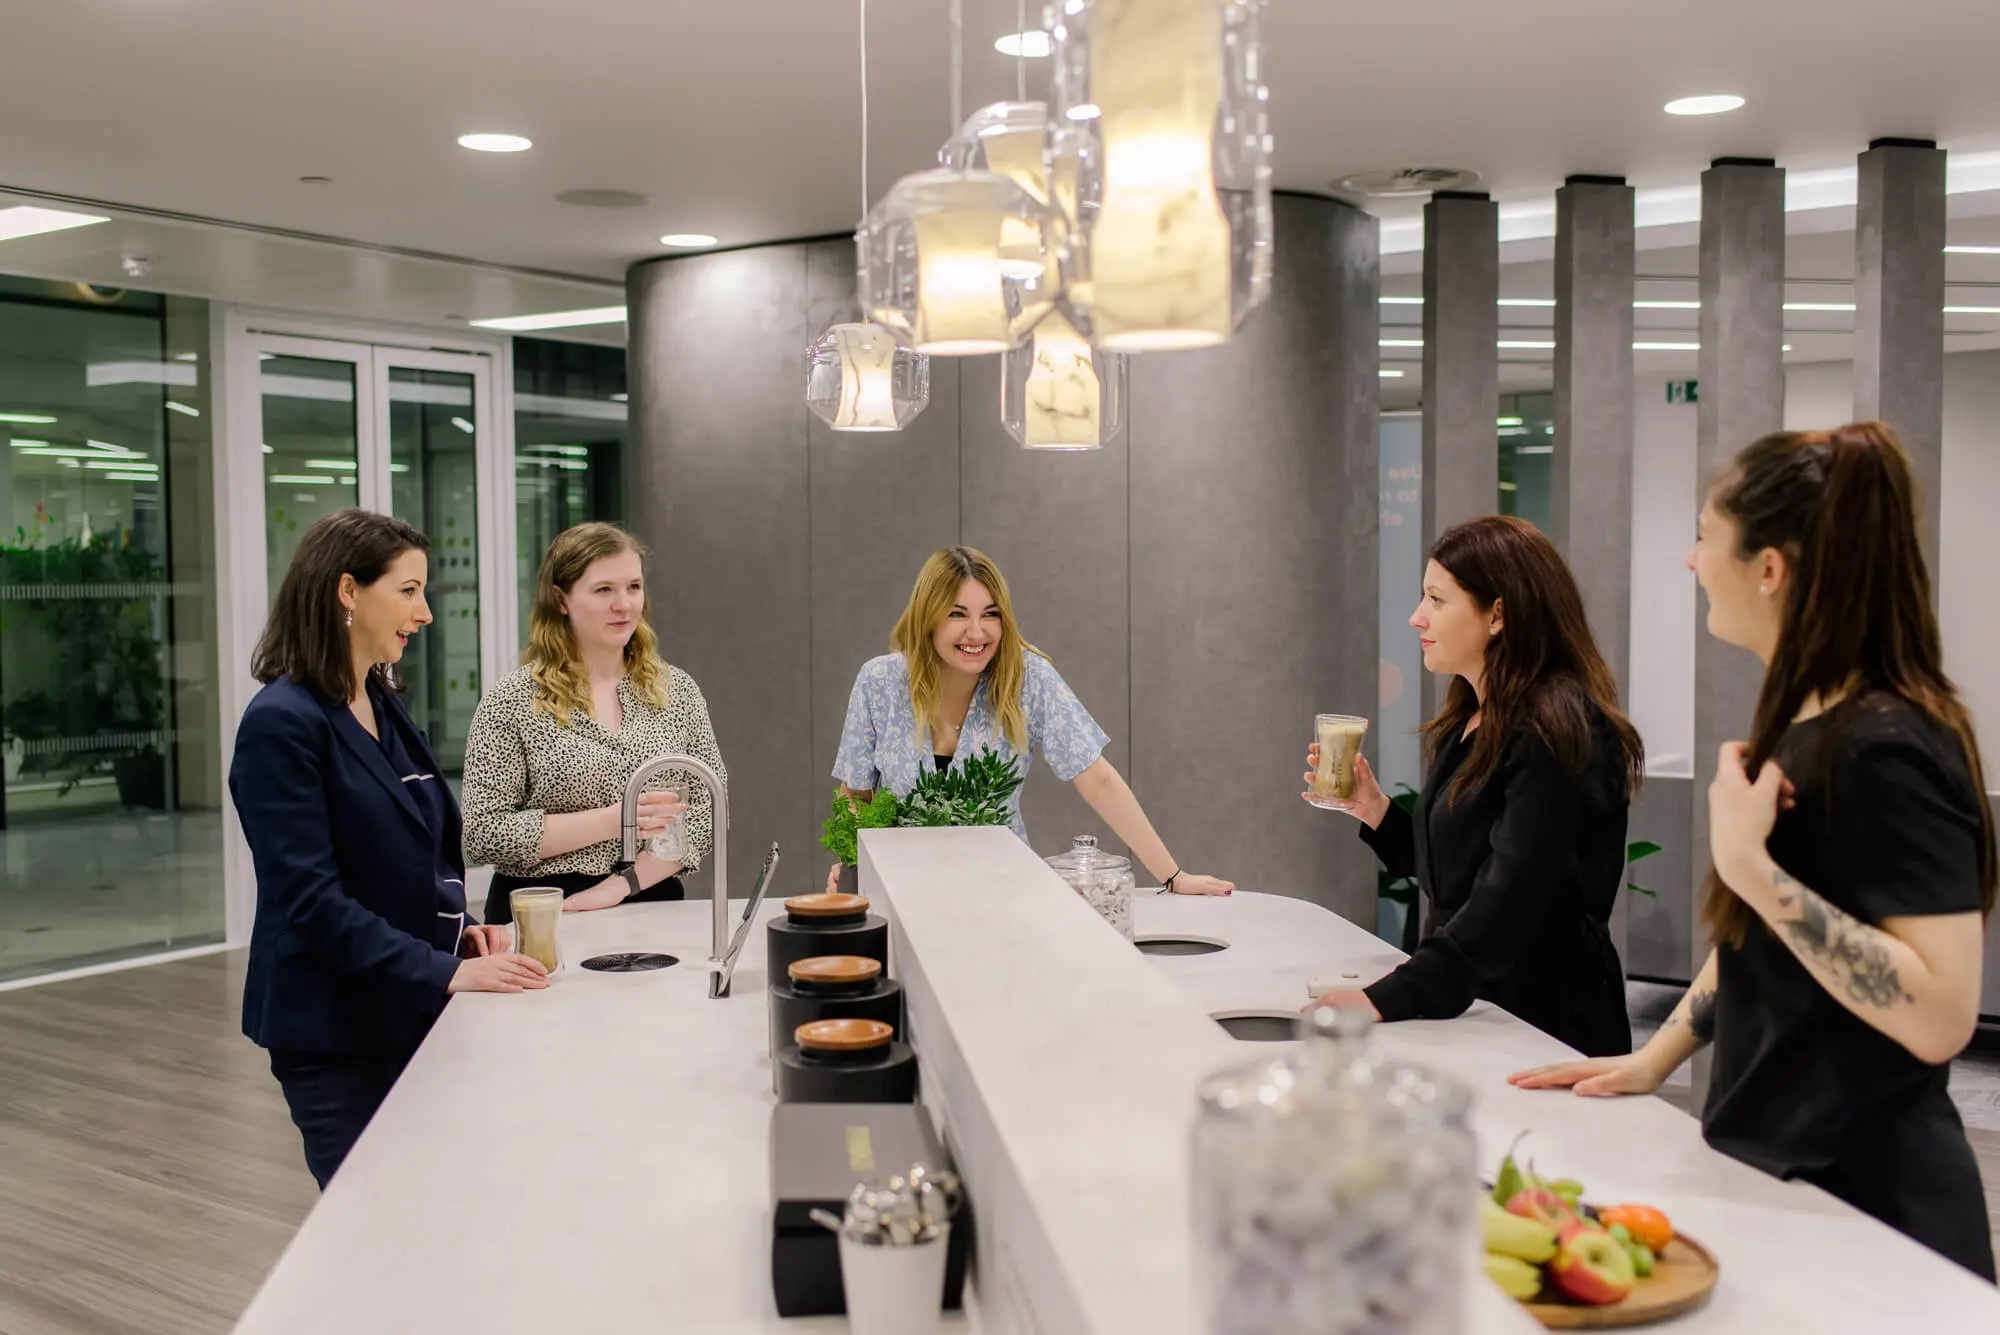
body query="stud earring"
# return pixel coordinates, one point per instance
(1764, 589)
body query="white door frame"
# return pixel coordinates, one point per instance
(237, 335)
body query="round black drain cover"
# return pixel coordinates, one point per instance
(1263, 1027)
(640, 962)
(1179, 945)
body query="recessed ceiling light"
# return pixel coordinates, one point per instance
(687, 240)
(1033, 45)
(495, 143)
(1713, 104)
(27, 220)
(1972, 250)
(555, 320)
(27, 419)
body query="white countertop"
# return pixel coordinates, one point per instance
(1793, 1258)
(591, 1158)
(594, 1157)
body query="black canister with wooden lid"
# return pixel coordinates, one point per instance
(815, 925)
(847, 1061)
(831, 987)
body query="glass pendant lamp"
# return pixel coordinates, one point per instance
(1059, 393)
(857, 376)
(1159, 127)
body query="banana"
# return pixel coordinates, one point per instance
(1516, 1278)
(1514, 1236)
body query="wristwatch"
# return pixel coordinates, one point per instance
(630, 871)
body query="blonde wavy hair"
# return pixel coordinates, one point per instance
(562, 685)
(930, 604)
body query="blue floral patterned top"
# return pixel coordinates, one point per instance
(881, 747)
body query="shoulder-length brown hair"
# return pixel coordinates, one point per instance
(1842, 507)
(1543, 670)
(306, 638)
(562, 687)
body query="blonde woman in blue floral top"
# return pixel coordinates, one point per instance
(923, 705)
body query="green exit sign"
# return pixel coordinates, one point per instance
(1683, 391)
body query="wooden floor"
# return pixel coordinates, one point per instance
(149, 1174)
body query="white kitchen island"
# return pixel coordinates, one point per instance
(593, 1158)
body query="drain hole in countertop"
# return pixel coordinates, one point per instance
(630, 963)
(1180, 945)
(1259, 1026)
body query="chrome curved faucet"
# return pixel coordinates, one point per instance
(718, 797)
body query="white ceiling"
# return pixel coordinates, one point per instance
(739, 118)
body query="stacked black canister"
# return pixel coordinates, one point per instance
(836, 1019)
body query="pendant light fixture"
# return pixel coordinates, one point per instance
(931, 263)
(857, 377)
(1159, 117)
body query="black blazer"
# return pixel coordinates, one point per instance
(354, 940)
(1519, 875)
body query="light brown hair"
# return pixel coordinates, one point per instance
(562, 685)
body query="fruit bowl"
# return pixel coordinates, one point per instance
(1682, 1278)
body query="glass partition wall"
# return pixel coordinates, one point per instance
(110, 815)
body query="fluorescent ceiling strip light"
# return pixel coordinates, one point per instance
(1507, 421)
(1527, 301)
(1972, 250)
(1972, 310)
(117, 465)
(1666, 347)
(1819, 306)
(1387, 374)
(334, 465)
(1666, 305)
(30, 220)
(22, 443)
(555, 320)
(175, 405)
(305, 479)
(1399, 342)
(132, 477)
(1518, 343)
(27, 419)
(557, 405)
(99, 375)
(462, 425)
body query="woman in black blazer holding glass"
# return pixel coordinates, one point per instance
(360, 932)
(1518, 840)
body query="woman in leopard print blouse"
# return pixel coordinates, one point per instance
(553, 743)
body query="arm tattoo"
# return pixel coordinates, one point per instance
(1701, 1017)
(1848, 949)
(1697, 1013)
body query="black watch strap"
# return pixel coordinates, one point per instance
(630, 871)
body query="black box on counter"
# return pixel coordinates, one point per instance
(819, 1151)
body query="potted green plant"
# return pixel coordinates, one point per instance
(82, 667)
(974, 793)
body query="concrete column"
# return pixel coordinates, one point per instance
(1254, 551)
(1742, 397)
(1899, 309)
(1590, 501)
(1461, 367)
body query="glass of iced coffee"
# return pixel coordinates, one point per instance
(537, 914)
(1339, 737)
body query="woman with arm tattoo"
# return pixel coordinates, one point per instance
(1848, 923)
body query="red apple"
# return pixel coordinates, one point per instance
(1592, 1267)
(1544, 1207)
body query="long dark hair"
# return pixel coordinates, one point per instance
(1543, 670)
(306, 636)
(1842, 507)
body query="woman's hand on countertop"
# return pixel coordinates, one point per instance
(1369, 803)
(1347, 998)
(1594, 1077)
(499, 973)
(478, 941)
(1193, 883)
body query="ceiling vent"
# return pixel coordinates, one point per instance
(602, 199)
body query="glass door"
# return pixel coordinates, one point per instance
(436, 411)
(322, 417)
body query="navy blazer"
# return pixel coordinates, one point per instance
(355, 939)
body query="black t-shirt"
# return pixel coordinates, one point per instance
(1887, 824)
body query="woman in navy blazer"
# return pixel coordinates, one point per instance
(360, 932)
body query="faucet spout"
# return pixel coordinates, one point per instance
(718, 797)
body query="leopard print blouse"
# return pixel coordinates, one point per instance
(521, 765)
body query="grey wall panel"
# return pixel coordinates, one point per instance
(1056, 524)
(720, 494)
(1660, 927)
(881, 503)
(1254, 554)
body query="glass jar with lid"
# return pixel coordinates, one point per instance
(1334, 1191)
(1103, 879)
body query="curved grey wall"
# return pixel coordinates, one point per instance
(1206, 584)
